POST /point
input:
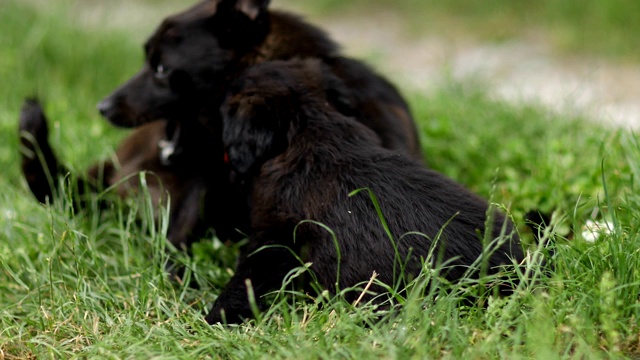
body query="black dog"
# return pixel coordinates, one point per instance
(191, 58)
(296, 158)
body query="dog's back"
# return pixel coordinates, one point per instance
(374, 100)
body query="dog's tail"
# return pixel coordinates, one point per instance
(40, 166)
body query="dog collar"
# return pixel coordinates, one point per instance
(225, 157)
(167, 148)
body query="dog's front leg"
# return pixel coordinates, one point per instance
(258, 273)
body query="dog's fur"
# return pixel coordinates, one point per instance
(190, 60)
(295, 158)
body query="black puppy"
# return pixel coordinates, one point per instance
(296, 158)
(191, 58)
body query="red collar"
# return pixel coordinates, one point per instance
(225, 157)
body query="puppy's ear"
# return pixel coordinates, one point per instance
(338, 95)
(256, 137)
(242, 158)
(257, 147)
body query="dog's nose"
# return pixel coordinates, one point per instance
(105, 106)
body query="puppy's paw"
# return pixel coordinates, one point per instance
(213, 318)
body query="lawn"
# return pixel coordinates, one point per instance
(91, 285)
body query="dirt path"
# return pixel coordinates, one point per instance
(516, 71)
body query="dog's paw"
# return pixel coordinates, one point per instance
(33, 123)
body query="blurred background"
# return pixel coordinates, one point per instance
(572, 55)
(577, 56)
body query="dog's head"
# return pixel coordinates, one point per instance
(188, 60)
(271, 103)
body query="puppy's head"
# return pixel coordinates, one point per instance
(188, 61)
(271, 103)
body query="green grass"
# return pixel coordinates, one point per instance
(91, 285)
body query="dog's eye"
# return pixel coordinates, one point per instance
(161, 71)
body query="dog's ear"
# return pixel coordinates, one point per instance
(257, 135)
(240, 23)
(337, 93)
(252, 8)
(243, 157)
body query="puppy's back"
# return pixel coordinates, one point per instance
(334, 156)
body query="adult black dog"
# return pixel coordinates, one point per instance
(295, 158)
(190, 60)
